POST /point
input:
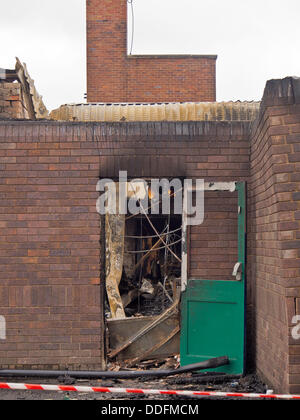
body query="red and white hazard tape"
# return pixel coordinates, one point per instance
(37, 387)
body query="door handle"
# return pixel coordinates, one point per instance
(237, 271)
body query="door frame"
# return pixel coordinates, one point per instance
(240, 187)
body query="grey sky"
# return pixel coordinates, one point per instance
(255, 40)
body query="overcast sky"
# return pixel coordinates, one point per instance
(255, 40)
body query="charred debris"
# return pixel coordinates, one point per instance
(143, 284)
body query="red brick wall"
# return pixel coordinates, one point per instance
(220, 155)
(214, 244)
(274, 258)
(113, 76)
(49, 246)
(11, 101)
(49, 242)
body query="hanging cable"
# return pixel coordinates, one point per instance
(153, 236)
(155, 230)
(141, 269)
(142, 251)
(158, 202)
(165, 265)
(132, 29)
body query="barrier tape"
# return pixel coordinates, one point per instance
(64, 388)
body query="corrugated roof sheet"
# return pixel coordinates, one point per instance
(190, 111)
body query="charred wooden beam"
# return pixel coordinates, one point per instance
(8, 76)
(102, 292)
(115, 231)
(161, 318)
(154, 348)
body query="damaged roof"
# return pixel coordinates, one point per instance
(130, 112)
(31, 100)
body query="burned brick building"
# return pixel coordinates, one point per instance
(78, 289)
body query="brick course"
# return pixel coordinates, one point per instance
(11, 100)
(49, 248)
(114, 76)
(274, 247)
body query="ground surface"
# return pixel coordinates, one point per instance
(183, 382)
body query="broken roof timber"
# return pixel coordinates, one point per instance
(32, 103)
(33, 100)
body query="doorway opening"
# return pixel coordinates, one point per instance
(143, 282)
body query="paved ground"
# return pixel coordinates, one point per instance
(186, 382)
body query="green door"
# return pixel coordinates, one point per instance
(213, 311)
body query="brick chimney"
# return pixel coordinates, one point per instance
(115, 76)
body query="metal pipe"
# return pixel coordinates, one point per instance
(207, 364)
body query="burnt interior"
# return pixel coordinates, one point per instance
(149, 268)
(151, 273)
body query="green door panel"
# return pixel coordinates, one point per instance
(213, 312)
(212, 323)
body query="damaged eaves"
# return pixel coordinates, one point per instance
(32, 106)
